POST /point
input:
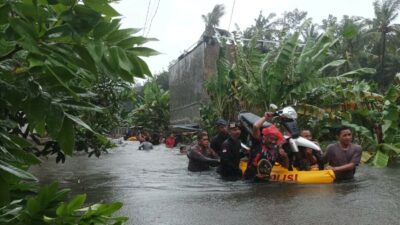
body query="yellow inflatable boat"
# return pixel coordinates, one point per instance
(281, 174)
(133, 138)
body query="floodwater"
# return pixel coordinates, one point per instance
(156, 188)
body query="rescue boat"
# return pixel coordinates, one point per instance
(281, 174)
(133, 138)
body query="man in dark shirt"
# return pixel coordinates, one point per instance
(343, 157)
(222, 135)
(231, 154)
(201, 156)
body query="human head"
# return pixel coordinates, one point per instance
(147, 138)
(344, 135)
(272, 136)
(234, 130)
(306, 134)
(182, 149)
(221, 125)
(202, 139)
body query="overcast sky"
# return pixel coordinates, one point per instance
(177, 24)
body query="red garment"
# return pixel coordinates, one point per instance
(272, 130)
(170, 142)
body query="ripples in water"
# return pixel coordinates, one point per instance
(156, 188)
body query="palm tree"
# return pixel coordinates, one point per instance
(264, 27)
(354, 41)
(385, 14)
(211, 20)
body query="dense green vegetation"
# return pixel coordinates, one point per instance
(337, 72)
(152, 109)
(63, 65)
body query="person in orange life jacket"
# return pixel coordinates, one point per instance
(231, 154)
(201, 156)
(265, 151)
(343, 157)
(170, 141)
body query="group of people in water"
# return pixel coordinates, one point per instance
(225, 151)
(148, 141)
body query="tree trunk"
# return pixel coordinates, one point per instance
(381, 80)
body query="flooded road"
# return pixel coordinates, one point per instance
(156, 188)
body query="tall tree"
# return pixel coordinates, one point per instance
(212, 18)
(386, 11)
(162, 79)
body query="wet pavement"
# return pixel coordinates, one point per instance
(156, 188)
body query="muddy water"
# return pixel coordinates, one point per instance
(156, 188)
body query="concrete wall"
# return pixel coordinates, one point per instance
(186, 82)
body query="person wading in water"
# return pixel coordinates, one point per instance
(201, 156)
(343, 157)
(222, 135)
(231, 154)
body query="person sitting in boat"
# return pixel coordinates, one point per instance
(231, 154)
(265, 151)
(308, 159)
(201, 156)
(146, 145)
(343, 157)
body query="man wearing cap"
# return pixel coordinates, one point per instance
(231, 154)
(265, 151)
(222, 135)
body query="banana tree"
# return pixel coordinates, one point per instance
(152, 110)
(222, 88)
(299, 67)
(387, 143)
(373, 117)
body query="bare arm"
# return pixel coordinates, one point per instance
(196, 154)
(258, 124)
(284, 158)
(355, 160)
(212, 153)
(345, 167)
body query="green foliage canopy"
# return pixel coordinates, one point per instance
(52, 56)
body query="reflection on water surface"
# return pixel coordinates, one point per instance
(156, 188)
